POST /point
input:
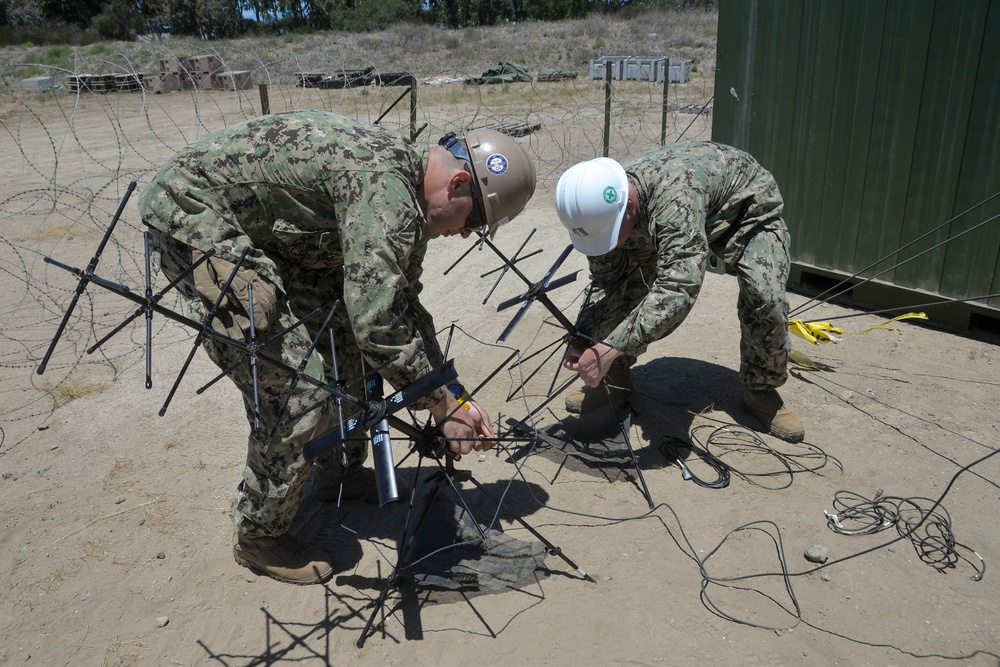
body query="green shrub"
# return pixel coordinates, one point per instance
(57, 54)
(46, 32)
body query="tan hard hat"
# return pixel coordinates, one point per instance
(504, 174)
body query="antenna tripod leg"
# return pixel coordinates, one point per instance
(85, 277)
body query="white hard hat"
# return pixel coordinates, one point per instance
(590, 200)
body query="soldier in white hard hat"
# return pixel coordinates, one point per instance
(649, 228)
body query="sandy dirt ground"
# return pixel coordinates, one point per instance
(116, 541)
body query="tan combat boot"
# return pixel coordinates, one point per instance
(778, 418)
(359, 483)
(283, 558)
(585, 399)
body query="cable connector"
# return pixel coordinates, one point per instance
(834, 519)
(978, 576)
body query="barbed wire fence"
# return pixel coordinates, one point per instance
(73, 140)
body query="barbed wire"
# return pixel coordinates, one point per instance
(74, 138)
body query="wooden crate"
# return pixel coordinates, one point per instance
(36, 83)
(203, 81)
(350, 78)
(166, 83)
(310, 79)
(203, 64)
(128, 82)
(172, 65)
(394, 79)
(238, 80)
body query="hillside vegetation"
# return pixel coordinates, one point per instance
(422, 49)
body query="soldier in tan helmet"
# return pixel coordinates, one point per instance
(331, 209)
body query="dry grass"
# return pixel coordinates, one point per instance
(119, 474)
(120, 654)
(70, 390)
(93, 551)
(424, 50)
(161, 520)
(52, 581)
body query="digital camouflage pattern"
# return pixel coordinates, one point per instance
(328, 208)
(695, 197)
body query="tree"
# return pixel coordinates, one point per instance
(19, 12)
(460, 13)
(75, 12)
(213, 19)
(119, 19)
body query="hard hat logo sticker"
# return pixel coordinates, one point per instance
(610, 194)
(497, 164)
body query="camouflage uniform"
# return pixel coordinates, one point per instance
(695, 197)
(328, 208)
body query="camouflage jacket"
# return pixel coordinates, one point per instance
(692, 195)
(313, 194)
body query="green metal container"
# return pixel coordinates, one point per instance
(880, 120)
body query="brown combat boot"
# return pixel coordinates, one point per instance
(359, 483)
(778, 418)
(585, 399)
(283, 558)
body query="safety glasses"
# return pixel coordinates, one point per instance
(455, 146)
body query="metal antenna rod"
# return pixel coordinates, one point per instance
(300, 369)
(146, 240)
(353, 382)
(124, 292)
(253, 361)
(206, 324)
(149, 305)
(802, 308)
(538, 291)
(340, 404)
(447, 345)
(250, 350)
(85, 278)
(507, 265)
(393, 105)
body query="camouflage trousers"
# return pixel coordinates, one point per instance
(267, 498)
(762, 307)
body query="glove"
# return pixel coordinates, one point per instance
(211, 276)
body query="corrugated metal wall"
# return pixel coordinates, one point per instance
(880, 120)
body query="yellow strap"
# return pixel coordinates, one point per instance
(907, 316)
(821, 332)
(814, 332)
(800, 359)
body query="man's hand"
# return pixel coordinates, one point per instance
(571, 360)
(593, 363)
(481, 420)
(465, 430)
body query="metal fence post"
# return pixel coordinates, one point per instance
(607, 106)
(413, 106)
(666, 87)
(265, 104)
